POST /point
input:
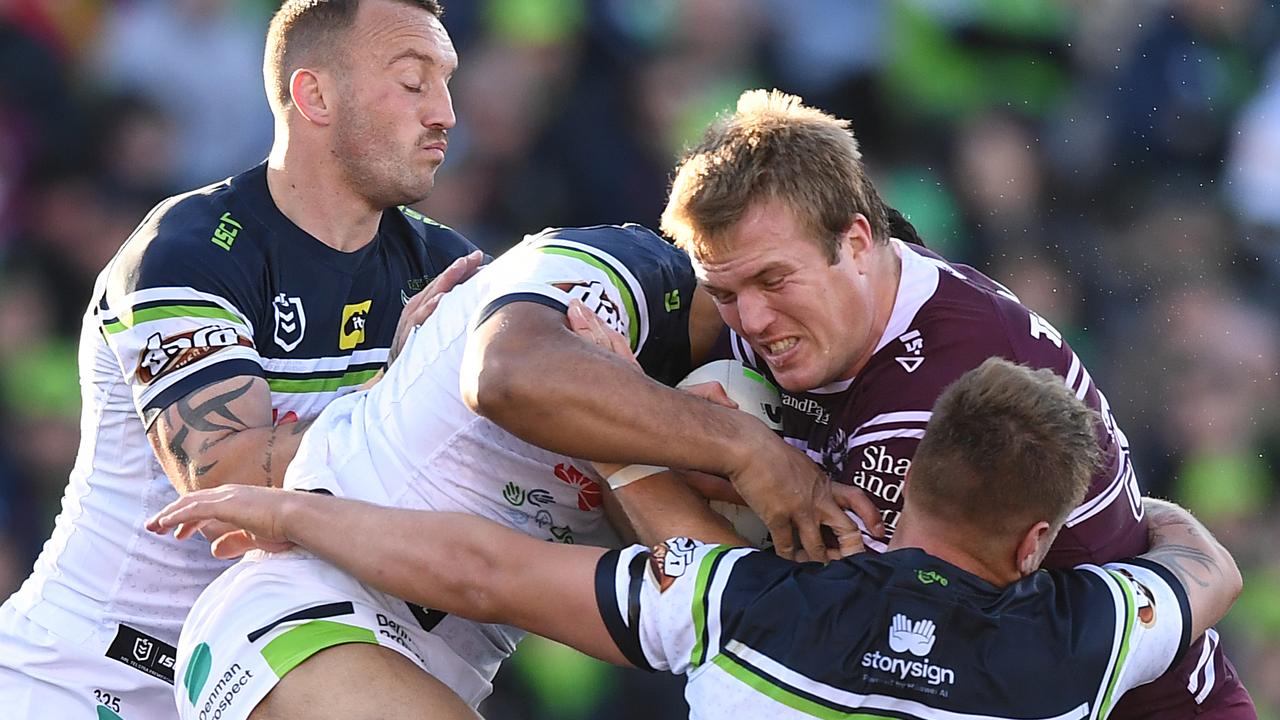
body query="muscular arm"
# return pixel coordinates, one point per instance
(452, 562)
(222, 433)
(1206, 570)
(664, 506)
(526, 371)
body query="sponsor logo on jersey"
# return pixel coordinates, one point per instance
(880, 475)
(354, 319)
(142, 652)
(225, 234)
(913, 349)
(1145, 599)
(224, 692)
(589, 497)
(808, 406)
(197, 671)
(562, 534)
(413, 287)
(670, 560)
(291, 321)
(914, 639)
(671, 300)
(398, 634)
(929, 577)
(592, 294)
(163, 355)
(518, 496)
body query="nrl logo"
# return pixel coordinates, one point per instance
(142, 649)
(291, 321)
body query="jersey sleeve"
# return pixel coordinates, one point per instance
(1152, 625)
(1109, 524)
(553, 275)
(662, 606)
(178, 310)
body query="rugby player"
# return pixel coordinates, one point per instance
(952, 621)
(862, 332)
(274, 633)
(229, 318)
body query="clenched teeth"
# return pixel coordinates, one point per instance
(781, 346)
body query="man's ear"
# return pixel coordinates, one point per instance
(858, 241)
(1033, 547)
(307, 90)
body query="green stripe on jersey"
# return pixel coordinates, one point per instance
(288, 650)
(633, 328)
(785, 696)
(314, 385)
(129, 320)
(1130, 604)
(702, 584)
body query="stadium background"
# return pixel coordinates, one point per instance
(1115, 162)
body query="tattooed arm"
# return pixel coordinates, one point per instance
(221, 434)
(1206, 570)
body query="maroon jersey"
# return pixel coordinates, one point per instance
(946, 320)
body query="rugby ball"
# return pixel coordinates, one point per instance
(759, 398)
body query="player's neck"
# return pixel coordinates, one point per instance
(886, 296)
(314, 195)
(950, 549)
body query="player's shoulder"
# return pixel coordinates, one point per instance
(188, 236)
(632, 246)
(968, 317)
(439, 241)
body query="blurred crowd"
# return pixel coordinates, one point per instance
(1114, 162)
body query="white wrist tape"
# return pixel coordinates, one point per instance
(632, 473)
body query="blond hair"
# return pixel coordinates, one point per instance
(773, 147)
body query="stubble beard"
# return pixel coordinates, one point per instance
(375, 168)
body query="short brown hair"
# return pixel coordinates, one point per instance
(300, 27)
(1005, 448)
(773, 147)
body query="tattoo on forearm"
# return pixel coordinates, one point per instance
(201, 416)
(271, 447)
(1191, 565)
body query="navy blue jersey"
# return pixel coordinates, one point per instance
(212, 285)
(898, 635)
(639, 284)
(218, 283)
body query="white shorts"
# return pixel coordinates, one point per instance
(268, 613)
(43, 675)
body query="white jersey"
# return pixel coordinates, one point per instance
(213, 285)
(411, 442)
(914, 637)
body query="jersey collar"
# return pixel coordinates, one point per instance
(917, 283)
